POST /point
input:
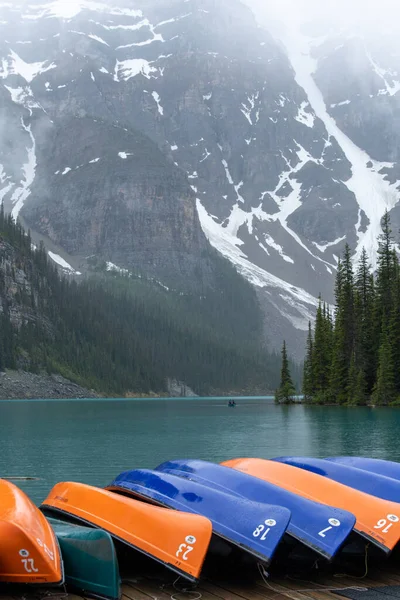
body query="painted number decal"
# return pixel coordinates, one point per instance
(29, 563)
(49, 552)
(187, 547)
(384, 523)
(264, 529)
(332, 523)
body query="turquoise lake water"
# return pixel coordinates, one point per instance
(92, 441)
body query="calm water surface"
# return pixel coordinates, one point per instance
(93, 441)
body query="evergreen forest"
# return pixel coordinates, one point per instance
(353, 355)
(120, 335)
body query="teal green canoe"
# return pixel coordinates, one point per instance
(90, 560)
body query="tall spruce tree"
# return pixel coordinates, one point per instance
(321, 353)
(394, 323)
(344, 332)
(286, 391)
(365, 342)
(384, 391)
(352, 381)
(308, 380)
(385, 276)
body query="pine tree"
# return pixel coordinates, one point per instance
(344, 331)
(360, 393)
(286, 391)
(385, 275)
(352, 381)
(321, 353)
(308, 380)
(384, 390)
(366, 347)
(394, 323)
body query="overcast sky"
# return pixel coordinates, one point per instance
(355, 12)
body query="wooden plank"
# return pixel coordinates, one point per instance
(251, 592)
(131, 592)
(320, 586)
(219, 591)
(234, 592)
(165, 591)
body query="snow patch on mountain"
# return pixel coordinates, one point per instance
(156, 97)
(305, 117)
(3, 179)
(391, 87)
(126, 69)
(374, 194)
(63, 263)
(15, 65)
(229, 246)
(69, 9)
(29, 171)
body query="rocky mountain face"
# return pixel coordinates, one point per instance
(134, 131)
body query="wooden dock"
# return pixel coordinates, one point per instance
(318, 584)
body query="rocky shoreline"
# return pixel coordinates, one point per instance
(22, 385)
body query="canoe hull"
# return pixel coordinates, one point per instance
(90, 560)
(387, 468)
(177, 540)
(378, 515)
(375, 484)
(234, 519)
(308, 518)
(29, 551)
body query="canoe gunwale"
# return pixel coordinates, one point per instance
(127, 493)
(51, 509)
(375, 542)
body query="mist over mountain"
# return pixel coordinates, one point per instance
(133, 134)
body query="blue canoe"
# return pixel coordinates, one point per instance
(388, 468)
(380, 486)
(234, 519)
(308, 517)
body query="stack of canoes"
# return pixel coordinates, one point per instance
(249, 509)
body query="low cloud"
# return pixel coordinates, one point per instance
(368, 15)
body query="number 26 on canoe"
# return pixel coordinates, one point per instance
(185, 548)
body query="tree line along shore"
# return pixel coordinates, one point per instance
(353, 351)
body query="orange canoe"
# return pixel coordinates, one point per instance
(370, 512)
(29, 551)
(176, 539)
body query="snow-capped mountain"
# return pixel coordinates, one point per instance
(125, 125)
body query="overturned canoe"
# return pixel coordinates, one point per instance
(370, 511)
(308, 518)
(388, 468)
(374, 484)
(234, 519)
(90, 560)
(29, 551)
(177, 540)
